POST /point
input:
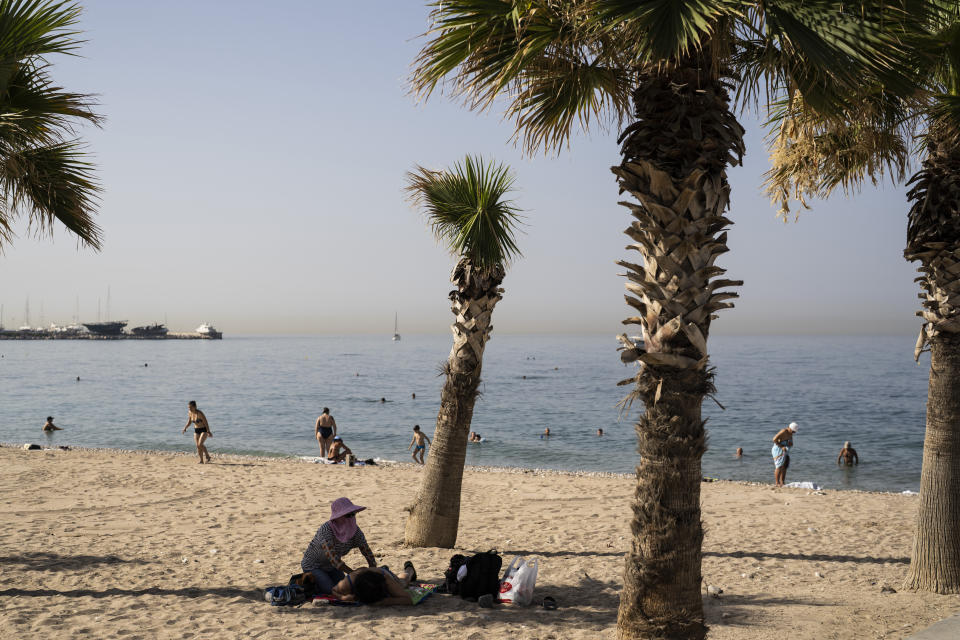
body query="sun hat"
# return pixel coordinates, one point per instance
(793, 426)
(343, 507)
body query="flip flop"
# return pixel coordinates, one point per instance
(549, 603)
(413, 576)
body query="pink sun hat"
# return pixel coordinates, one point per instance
(343, 507)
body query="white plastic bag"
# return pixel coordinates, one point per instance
(518, 582)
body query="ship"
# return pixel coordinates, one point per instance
(150, 331)
(207, 331)
(396, 336)
(114, 328)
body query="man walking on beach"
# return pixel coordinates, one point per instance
(781, 459)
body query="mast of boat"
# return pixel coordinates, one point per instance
(396, 334)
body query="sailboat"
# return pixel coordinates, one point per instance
(396, 336)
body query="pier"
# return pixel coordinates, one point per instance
(57, 335)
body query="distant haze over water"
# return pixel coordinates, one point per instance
(262, 395)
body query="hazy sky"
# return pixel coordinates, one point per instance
(253, 160)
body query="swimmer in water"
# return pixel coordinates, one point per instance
(545, 434)
(475, 437)
(49, 426)
(599, 432)
(739, 453)
(849, 455)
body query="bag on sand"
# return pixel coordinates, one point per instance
(482, 575)
(302, 587)
(518, 581)
(450, 583)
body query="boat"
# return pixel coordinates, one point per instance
(207, 331)
(114, 328)
(396, 336)
(150, 331)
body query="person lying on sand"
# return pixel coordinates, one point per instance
(849, 455)
(378, 586)
(49, 426)
(338, 451)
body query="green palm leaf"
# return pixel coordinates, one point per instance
(467, 210)
(45, 173)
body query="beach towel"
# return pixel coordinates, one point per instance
(418, 593)
(779, 455)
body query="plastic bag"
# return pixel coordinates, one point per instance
(518, 582)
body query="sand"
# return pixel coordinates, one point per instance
(135, 545)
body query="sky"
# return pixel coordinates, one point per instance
(253, 160)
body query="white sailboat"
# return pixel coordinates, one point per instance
(396, 336)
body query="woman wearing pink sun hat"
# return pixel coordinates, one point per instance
(333, 540)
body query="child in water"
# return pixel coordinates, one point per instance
(418, 439)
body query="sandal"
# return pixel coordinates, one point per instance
(549, 604)
(409, 565)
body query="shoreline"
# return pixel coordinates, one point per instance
(408, 465)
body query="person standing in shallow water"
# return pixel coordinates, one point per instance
(781, 458)
(326, 429)
(49, 426)
(201, 429)
(848, 455)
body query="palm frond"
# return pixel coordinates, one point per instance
(667, 29)
(52, 183)
(467, 209)
(37, 28)
(555, 67)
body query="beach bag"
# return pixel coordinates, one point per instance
(518, 581)
(450, 583)
(291, 595)
(482, 576)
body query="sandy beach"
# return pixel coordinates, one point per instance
(152, 545)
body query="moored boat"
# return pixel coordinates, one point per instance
(207, 331)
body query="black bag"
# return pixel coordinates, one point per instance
(450, 584)
(306, 581)
(483, 576)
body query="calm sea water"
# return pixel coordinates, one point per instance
(262, 395)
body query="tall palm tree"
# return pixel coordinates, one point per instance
(812, 157)
(45, 173)
(666, 68)
(468, 211)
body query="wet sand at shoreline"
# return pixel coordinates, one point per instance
(134, 544)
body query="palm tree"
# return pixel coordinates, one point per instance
(812, 157)
(667, 68)
(468, 212)
(44, 171)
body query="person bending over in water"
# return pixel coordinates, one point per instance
(849, 455)
(49, 426)
(326, 429)
(379, 586)
(418, 439)
(781, 458)
(201, 429)
(338, 452)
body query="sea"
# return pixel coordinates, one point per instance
(262, 395)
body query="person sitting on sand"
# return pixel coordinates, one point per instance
(849, 455)
(324, 429)
(201, 429)
(418, 439)
(379, 586)
(338, 452)
(49, 426)
(334, 539)
(781, 460)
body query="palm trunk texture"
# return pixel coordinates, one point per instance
(435, 514)
(933, 239)
(674, 165)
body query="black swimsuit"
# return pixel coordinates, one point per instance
(199, 430)
(326, 432)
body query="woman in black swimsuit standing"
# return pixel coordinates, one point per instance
(326, 428)
(201, 429)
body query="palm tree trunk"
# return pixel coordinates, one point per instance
(935, 561)
(933, 238)
(674, 165)
(435, 514)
